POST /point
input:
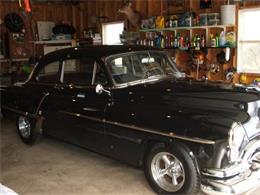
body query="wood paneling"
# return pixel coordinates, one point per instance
(91, 13)
(87, 13)
(56, 12)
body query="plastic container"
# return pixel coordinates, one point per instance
(214, 22)
(222, 39)
(228, 14)
(212, 16)
(203, 19)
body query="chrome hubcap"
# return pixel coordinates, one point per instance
(168, 171)
(24, 127)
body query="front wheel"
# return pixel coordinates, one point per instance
(26, 129)
(171, 170)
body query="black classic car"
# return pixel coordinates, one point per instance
(134, 105)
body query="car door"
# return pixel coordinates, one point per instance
(123, 116)
(81, 110)
(42, 89)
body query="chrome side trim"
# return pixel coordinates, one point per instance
(83, 116)
(20, 112)
(137, 128)
(90, 109)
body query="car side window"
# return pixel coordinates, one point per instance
(82, 72)
(49, 73)
(125, 69)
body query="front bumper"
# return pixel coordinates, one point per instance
(236, 178)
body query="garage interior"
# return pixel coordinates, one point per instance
(201, 36)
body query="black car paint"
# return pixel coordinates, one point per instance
(121, 125)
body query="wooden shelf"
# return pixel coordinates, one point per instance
(193, 30)
(187, 28)
(14, 60)
(4, 60)
(198, 48)
(53, 42)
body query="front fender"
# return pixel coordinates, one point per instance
(208, 124)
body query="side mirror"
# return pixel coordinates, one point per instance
(100, 89)
(180, 74)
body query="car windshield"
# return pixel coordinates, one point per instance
(141, 66)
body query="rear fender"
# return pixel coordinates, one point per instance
(30, 108)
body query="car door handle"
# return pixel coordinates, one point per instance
(91, 109)
(81, 95)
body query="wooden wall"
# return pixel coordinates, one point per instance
(91, 13)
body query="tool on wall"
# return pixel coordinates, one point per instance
(14, 22)
(199, 60)
(222, 58)
(25, 5)
(229, 74)
(214, 68)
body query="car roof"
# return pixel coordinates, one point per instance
(99, 51)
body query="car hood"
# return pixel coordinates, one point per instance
(198, 89)
(211, 104)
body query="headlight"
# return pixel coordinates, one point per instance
(253, 109)
(237, 137)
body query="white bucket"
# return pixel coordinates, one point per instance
(228, 14)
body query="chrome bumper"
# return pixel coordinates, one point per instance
(236, 178)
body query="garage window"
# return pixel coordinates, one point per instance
(248, 41)
(111, 32)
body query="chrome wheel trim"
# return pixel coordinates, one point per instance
(24, 127)
(168, 171)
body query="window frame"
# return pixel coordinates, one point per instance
(92, 84)
(42, 65)
(117, 85)
(242, 42)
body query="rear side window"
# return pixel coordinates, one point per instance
(49, 73)
(82, 72)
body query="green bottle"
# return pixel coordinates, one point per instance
(217, 40)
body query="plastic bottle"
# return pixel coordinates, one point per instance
(181, 41)
(172, 40)
(162, 41)
(178, 39)
(212, 40)
(203, 41)
(175, 43)
(198, 41)
(222, 39)
(187, 41)
(158, 41)
(217, 40)
(194, 41)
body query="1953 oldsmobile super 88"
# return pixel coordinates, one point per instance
(132, 104)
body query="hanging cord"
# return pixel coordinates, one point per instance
(161, 7)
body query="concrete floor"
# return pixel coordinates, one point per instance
(56, 168)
